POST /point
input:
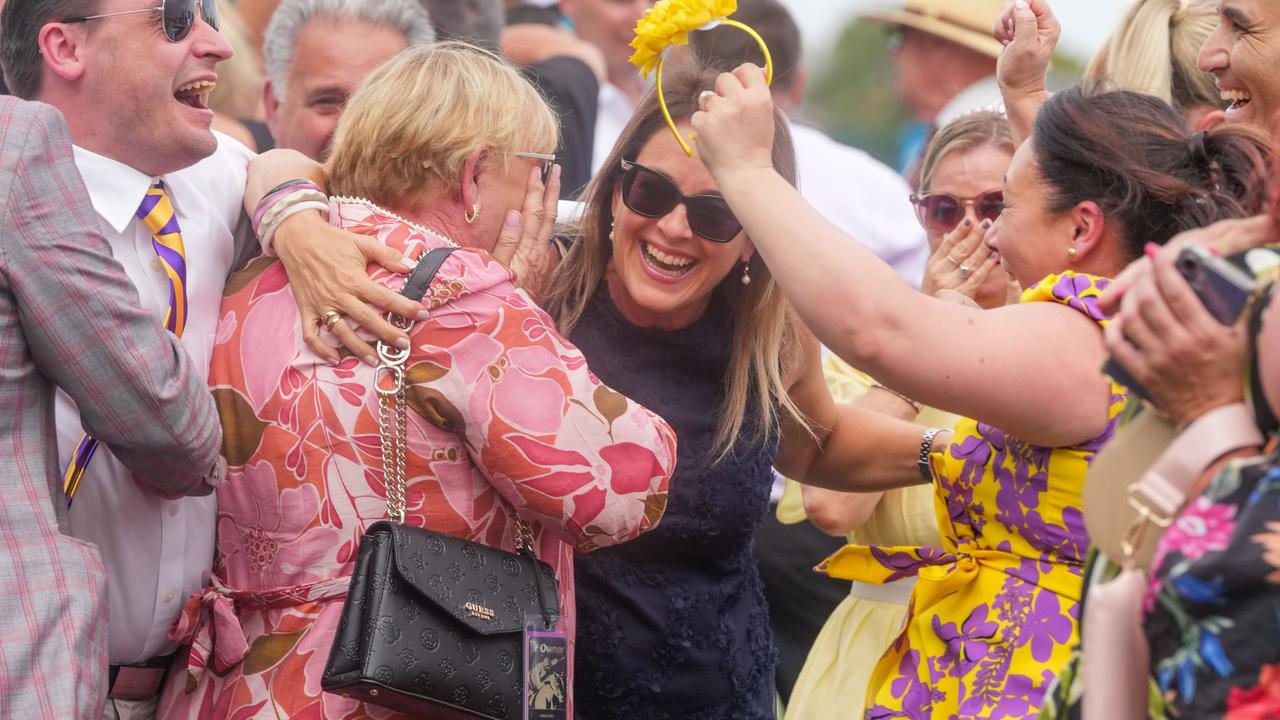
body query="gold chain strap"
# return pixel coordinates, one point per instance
(394, 431)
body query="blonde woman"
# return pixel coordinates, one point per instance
(665, 296)
(505, 421)
(963, 171)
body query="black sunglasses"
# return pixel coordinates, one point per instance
(942, 212)
(651, 194)
(179, 16)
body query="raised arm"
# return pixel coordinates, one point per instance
(561, 448)
(137, 390)
(983, 364)
(1029, 32)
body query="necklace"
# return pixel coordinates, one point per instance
(383, 211)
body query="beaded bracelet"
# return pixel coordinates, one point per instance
(288, 210)
(275, 194)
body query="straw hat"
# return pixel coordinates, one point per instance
(964, 22)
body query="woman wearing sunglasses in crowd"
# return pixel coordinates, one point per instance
(994, 611)
(961, 195)
(663, 293)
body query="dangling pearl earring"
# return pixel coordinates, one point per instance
(1072, 253)
(746, 272)
(612, 225)
(471, 215)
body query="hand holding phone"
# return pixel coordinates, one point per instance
(1223, 289)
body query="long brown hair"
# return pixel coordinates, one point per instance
(766, 334)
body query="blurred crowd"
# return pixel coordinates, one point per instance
(353, 353)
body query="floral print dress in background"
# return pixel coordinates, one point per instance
(504, 416)
(994, 614)
(1213, 608)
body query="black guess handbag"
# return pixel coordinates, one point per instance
(433, 625)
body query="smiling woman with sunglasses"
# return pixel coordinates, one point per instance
(664, 295)
(994, 611)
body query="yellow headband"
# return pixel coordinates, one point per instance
(667, 24)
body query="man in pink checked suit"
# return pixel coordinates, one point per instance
(70, 319)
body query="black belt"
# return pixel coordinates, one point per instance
(139, 681)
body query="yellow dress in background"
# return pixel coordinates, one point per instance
(833, 683)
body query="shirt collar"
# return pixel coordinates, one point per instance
(115, 189)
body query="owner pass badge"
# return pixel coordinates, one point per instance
(546, 666)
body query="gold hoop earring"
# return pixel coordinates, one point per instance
(746, 272)
(471, 215)
(1072, 253)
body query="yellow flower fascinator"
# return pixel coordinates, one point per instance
(667, 24)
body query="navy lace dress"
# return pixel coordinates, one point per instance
(674, 624)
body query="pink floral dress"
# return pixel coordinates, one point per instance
(504, 416)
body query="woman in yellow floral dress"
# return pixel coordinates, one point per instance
(995, 609)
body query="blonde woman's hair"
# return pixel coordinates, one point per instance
(411, 125)
(238, 93)
(968, 132)
(1155, 50)
(766, 334)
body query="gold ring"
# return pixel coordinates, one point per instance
(965, 271)
(330, 319)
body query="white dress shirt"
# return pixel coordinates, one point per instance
(866, 199)
(613, 113)
(157, 552)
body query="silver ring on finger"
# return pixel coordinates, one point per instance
(703, 97)
(965, 271)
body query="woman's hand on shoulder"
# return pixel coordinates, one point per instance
(328, 273)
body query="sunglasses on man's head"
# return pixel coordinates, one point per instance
(942, 212)
(651, 194)
(179, 16)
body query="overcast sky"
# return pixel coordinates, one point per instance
(1085, 23)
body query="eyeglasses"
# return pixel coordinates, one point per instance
(548, 162)
(942, 212)
(179, 16)
(651, 194)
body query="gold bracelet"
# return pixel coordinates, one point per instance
(914, 405)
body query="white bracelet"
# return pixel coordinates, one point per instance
(269, 228)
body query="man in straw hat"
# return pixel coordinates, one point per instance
(946, 56)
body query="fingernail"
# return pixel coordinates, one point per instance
(986, 224)
(1021, 5)
(407, 265)
(1214, 251)
(371, 361)
(967, 222)
(402, 343)
(513, 219)
(1004, 43)
(1151, 249)
(423, 314)
(333, 363)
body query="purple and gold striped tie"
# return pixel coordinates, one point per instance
(156, 213)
